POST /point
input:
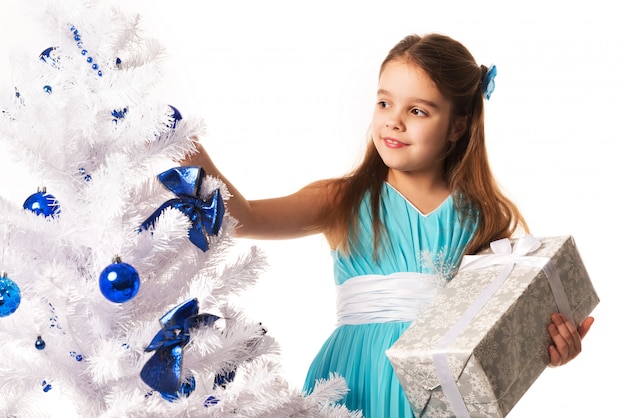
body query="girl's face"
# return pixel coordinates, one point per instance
(412, 122)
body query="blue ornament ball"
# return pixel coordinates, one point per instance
(42, 203)
(119, 282)
(50, 55)
(10, 296)
(40, 344)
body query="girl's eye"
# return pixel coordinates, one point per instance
(418, 112)
(383, 104)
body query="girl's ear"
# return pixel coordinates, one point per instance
(459, 127)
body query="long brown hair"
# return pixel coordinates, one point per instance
(466, 168)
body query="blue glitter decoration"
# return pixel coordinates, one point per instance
(83, 172)
(188, 386)
(54, 319)
(42, 203)
(223, 379)
(47, 89)
(119, 282)
(119, 114)
(10, 296)
(46, 386)
(210, 401)
(176, 116)
(83, 51)
(40, 344)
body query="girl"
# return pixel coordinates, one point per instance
(399, 224)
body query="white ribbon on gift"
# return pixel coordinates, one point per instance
(502, 255)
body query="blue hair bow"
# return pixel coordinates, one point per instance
(163, 372)
(489, 83)
(205, 215)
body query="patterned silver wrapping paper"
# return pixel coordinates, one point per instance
(501, 349)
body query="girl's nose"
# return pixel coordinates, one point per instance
(394, 123)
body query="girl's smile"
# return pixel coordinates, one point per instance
(393, 143)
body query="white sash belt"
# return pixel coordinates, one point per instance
(380, 298)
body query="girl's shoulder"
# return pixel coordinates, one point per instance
(324, 195)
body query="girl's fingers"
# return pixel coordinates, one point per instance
(559, 349)
(566, 338)
(584, 326)
(555, 357)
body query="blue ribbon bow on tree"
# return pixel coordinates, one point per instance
(163, 372)
(205, 215)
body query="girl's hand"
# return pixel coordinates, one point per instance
(198, 157)
(567, 339)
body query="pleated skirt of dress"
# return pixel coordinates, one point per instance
(357, 352)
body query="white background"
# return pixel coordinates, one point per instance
(287, 88)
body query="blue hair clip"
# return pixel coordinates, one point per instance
(489, 84)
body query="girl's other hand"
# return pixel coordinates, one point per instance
(567, 339)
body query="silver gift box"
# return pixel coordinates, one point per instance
(492, 337)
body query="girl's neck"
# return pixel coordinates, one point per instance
(425, 192)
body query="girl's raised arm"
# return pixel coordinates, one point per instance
(292, 216)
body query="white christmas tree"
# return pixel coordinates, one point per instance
(118, 274)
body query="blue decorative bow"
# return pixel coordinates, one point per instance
(489, 83)
(163, 372)
(205, 215)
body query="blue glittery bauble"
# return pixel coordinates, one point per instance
(119, 282)
(49, 55)
(40, 344)
(10, 296)
(42, 203)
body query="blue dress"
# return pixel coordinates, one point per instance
(430, 245)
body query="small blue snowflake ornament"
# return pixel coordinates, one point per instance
(119, 282)
(42, 203)
(10, 296)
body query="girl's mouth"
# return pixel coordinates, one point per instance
(393, 143)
